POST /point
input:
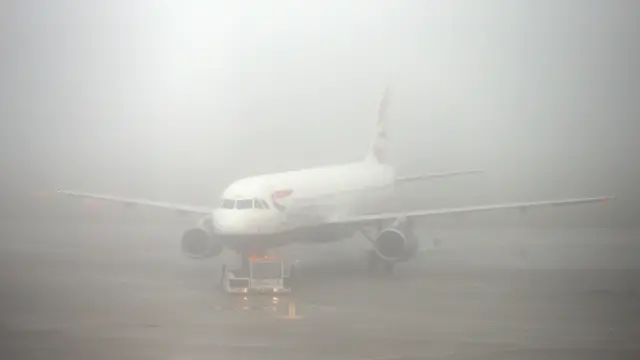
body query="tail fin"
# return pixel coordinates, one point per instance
(378, 148)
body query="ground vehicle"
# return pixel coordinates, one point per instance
(261, 275)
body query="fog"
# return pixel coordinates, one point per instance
(172, 100)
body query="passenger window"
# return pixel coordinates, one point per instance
(257, 204)
(227, 204)
(244, 204)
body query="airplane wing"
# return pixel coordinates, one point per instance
(412, 178)
(462, 210)
(133, 201)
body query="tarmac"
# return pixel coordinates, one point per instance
(121, 289)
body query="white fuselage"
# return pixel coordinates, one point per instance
(272, 203)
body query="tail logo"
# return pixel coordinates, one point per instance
(378, 147)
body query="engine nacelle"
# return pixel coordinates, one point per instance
(397, 242)
(200, 242)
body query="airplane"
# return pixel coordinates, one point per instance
(318, 205)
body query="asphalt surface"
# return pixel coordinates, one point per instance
(122, 290)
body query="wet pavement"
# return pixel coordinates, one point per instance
(123, 291)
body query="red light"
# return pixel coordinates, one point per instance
(254, 257)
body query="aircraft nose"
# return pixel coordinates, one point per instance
(228, 222)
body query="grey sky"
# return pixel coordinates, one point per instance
(177, 98)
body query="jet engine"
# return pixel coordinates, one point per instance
(200, 242)
(397, 242)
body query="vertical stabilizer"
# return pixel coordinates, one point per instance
(378, 148)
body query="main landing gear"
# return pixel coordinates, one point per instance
(377, 265)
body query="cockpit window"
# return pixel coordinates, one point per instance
(257, 204)
(227, 204)
(244, 204)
